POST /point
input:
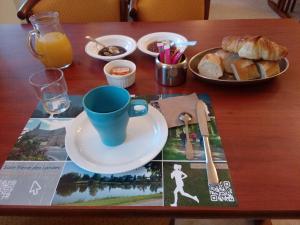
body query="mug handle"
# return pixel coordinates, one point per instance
(32, 35)
(133, 111)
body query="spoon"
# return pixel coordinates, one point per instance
(94, 40)
(184, 43)
(186, 118)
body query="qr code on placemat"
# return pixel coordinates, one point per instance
(221, 192)
(6, 187)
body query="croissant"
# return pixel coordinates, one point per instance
(254, 47)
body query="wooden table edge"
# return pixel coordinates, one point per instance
(153, 211)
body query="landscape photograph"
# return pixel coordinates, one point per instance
(41, 140)
(142, 186)
(175, 146)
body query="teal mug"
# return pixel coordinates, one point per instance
(109, 109)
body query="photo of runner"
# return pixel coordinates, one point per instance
(179, 176)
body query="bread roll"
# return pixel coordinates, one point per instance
(268, 68)
(270, 50)
(227, 59)
(233, 43)
(254, 47)
(250, 49)
(245, 69)
(222, 53)
(211, 66)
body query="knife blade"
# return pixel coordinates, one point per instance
(203, 117)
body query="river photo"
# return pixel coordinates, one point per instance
(142, 186)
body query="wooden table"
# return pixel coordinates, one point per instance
(259, 124)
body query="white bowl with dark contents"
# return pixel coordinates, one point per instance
(147, 43)
(116, 47)
(120, 73)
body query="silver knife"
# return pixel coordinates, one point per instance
(202, 116)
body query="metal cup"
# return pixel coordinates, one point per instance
(171, 74)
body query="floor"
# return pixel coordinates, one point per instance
(214, 222)
(8, 12)
(296, 12)
(220, 9)
(240, 9)
(232, 222)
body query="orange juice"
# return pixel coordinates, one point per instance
(55, 49)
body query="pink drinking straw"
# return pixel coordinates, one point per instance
(174, 54)
(177, 56)
(167, 54)
(160, 47)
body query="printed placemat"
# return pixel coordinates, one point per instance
(39, 172)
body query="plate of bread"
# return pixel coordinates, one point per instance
(241, 60)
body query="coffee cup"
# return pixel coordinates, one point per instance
(109, 109)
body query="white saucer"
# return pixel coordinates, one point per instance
(144, 41)
(146, 137)
(111, 40)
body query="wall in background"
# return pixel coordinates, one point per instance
(220, 9)
(8, 12)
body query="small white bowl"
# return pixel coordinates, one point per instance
(122, 81)
(111, 40)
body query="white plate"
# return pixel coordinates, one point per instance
(117, 40)
(146, 137)
(144, 41)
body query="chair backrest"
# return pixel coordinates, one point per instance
(79, 11)
(169, 10)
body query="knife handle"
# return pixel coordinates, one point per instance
(212, 175)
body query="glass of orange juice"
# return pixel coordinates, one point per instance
(48, 42)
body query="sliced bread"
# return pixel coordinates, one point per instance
(268, 68)
(227, 59)
(245, 69)
(211, 66)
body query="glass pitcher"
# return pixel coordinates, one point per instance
(48, 42)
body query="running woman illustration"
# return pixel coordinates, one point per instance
(179, 176)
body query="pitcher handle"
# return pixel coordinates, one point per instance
(31, 37)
